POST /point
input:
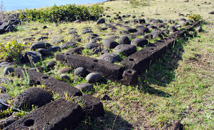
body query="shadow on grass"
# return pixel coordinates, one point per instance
(162, 71)
(109, 122)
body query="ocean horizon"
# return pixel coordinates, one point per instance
(9, 5)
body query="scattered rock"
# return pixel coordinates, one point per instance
(93, 77)
(38, 45)
(64, 77)
(92, 45)
(212, 12)
(65, 70)
(125, 49)
(51, 64)
(55, 48)
(110, 57)
(148, 36)
(44, 27)
(68, 45)
(84, 86)
(31, 56)
(44, 52)
(173, 29)
(32, 96)
(124, 40)
(76, 50)
(139, 42)
(8, 70)
(109, 43)
(3, 99)
(80, 71)
(101, 21)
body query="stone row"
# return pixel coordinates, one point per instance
(141, 60)
(134, 64)
(65, 114)
(110, 71)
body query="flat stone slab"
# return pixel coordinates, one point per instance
(58, 115)
(51, 83)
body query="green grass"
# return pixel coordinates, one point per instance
(178, 86)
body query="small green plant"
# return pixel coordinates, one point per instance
(195, 17)
(11, 51)
(20, 114)
(5, 113)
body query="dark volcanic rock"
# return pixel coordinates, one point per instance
(68, 45)
(44, 52)
(57, 115)
(109, 43)
(3, 99)
(92, 45)
(80, 71)
(148, 36)
(124, 40)
(93, 77)
(84, 86)
(76, 50)
(32, 96)
(40, 45)
(65, 70)
(55, 48)
(139, 42)
(125, 49)
(110, 57)
(32, 56)
(51, 64)
(8, 70)
(101, 21)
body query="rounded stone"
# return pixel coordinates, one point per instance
(65, 70)
(44, 52)
(92, 45)
(125, 49)
(101, 21)
(64, 77)
(110, 57)
(8, 70)
(55, 48)
(32, 56)
(76, 50)
(84, 86)
(51, 64)
(68, 45)
(139, 42)
(93, 77)
(3, 99)
(109, 43)
(32, 96)
(80, 71)
(40, 45)
(124, 40)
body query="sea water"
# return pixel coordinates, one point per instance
(9, 5)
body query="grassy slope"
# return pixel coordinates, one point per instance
(179, 86)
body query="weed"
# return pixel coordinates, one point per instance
(11, 50)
